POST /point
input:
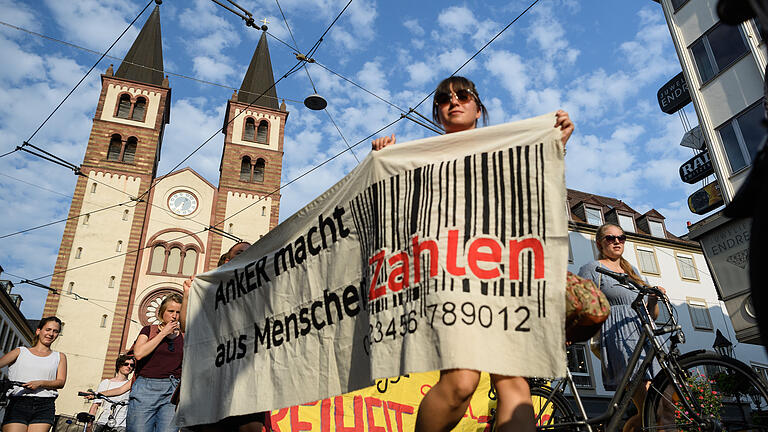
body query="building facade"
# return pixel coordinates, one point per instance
(664, 260)
(133, 237)
(723, 67)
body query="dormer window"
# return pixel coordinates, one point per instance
(626, 222)
(594, 215)
(657, 229)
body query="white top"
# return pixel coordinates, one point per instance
(106, 409)
(29, 367)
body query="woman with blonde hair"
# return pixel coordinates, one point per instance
(620, 333)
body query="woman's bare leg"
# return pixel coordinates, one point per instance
(14, 427)
(635, 423)
(446, 402)
(514, 411)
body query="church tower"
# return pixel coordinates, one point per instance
(120, 164)
(248, 198)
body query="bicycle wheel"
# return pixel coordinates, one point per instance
(722, 389)
(552, 410)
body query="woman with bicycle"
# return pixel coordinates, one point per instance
(43, 371)
(113, 414)
(620, 333)
(457, 107)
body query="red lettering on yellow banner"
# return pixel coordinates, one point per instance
(357, 406)
(371, 402)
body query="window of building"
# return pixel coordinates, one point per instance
(742, 135)
(686, 267)
(190, 262)
(657, 229)
(699, 314)
(119, 247)
(761, 371)
(129, 153)
(174, 260)
(139, 108)
(249, 132)
(86, 219)
(124, 106)
(663, 317)
(231, 228)
(717, 49)
(594, 215)
(677, 4)
(577, 364)
(115, 147)
(70, 288)
(103, 321)
(646, 259)
(261, 133)
(627, 223)
(4, 333)
(245, 169)
(9, 342)
(79, 253)
(570, 250)
(263, 210)
(125, 215)
(93, 188)
(158, 259)
(258, 171)
(111, 282)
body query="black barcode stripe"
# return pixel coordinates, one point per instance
(512, 199)
(440, 208)
(414, 218)
(455, 182)
(485, 196)
(431, 191)
(538, 191)
(519, 194)
(528, 187)
(468, 196)
(543, 201)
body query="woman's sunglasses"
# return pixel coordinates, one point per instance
(129, 364)
(612, 238)
(463, 96)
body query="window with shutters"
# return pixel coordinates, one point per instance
(245, 169)
(139, 109)
(686, 267)
(258, 171)
(115, 148)
(249, 131)
(124, 106)
(626, 222)
(646, 260)
(594, 215)
(699, 311)
(129, 152)
(263, 132)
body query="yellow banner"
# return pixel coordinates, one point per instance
(389, 406)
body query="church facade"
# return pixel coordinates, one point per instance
(133, 237)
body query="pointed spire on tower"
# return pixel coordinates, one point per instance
(259, 78)
(144, 61)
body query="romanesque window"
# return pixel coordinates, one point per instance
(264, 211)
(124, 106)
(70, 288)
(245, 169)
(103, 321)
(111, 282)
(249, 132)
(139, 108)
(261, 133)
(258, 171)
(173, 260)
(130, 150)
(125, 215)
(119, 247)
(79, 253)
(86, 219)
(115, 148)
(93, 188)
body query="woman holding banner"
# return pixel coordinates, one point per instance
(457, 107)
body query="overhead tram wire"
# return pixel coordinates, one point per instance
(62, 220)
(312, 82)
(87, 73)
(320, 40)
(122, 60)
(483, 47)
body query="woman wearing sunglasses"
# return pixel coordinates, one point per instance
(124, 366)
(620, 332)
(457, 107)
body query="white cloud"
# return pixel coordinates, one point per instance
(208, 68)
(420, 74)
(413, 26)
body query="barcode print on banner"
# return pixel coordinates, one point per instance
(458, 194)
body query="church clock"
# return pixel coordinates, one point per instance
(182, 203)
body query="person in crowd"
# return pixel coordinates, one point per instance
(620, 333)
(457, 107)
(43, 371)
(112, 416)
(159, 350)
(244, 423)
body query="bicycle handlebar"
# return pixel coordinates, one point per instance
(624, 279)
(97, 395)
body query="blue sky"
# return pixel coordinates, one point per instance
(601, 61)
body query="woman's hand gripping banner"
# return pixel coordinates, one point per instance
(447, 252)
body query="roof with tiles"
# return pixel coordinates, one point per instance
(608, 204)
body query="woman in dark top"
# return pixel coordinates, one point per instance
(159, 351)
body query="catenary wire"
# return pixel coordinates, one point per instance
(88, 73)
(320, 40)
(122, 60)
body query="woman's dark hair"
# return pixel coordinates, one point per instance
(223, 259)
(42, 324)
(122, 358)
(459, 83)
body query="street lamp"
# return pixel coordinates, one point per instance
(722, 345)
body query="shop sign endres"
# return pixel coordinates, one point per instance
(674, 94)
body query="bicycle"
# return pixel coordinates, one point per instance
(696, 391)
(115, 406)
(6, 386)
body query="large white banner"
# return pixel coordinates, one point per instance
(446, 252)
